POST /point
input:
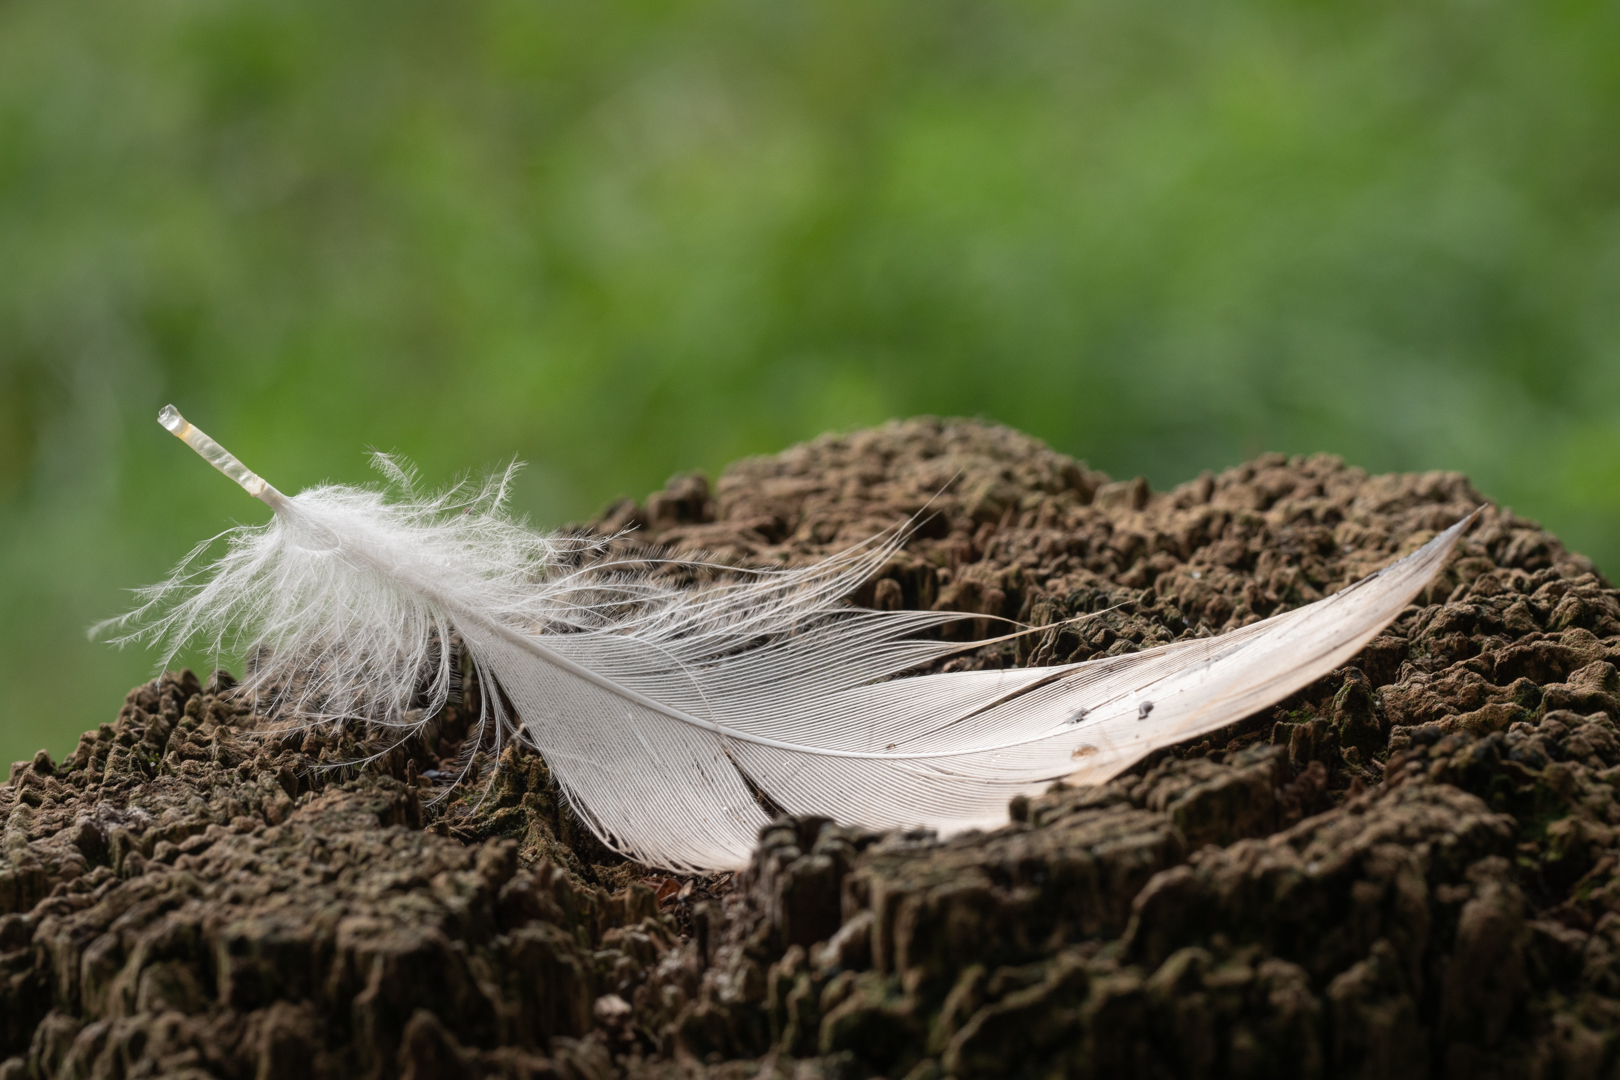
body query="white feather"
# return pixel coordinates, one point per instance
(652, 703)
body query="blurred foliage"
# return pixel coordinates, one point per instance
(618, 240)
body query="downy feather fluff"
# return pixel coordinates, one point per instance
(657, 706)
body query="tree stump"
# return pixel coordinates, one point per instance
(1407, 869)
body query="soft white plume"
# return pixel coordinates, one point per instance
(657, 706)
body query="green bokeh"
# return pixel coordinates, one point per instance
(619, 240)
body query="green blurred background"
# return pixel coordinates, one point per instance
(620, 240)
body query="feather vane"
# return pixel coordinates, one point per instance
(661, 710)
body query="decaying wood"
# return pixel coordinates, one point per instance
(1407, 869)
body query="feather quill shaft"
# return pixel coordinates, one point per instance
(660, 709)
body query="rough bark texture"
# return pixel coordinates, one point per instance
(1408, 869)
